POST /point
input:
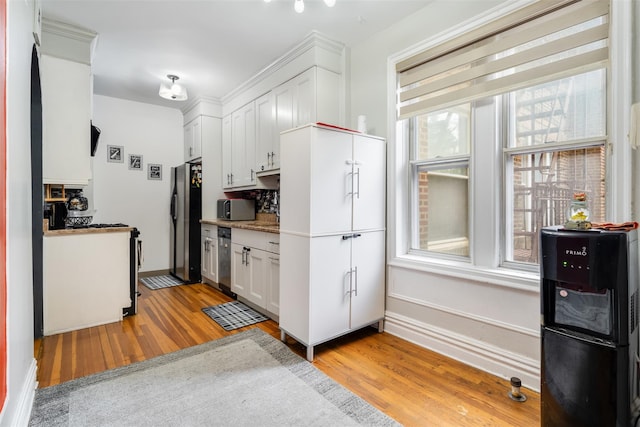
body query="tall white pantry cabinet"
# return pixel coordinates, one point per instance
(332, 233)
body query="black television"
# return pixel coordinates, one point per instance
(95, 134)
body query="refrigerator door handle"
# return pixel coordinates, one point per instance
(174, 203)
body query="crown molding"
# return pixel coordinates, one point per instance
(313, 40)
(67, 41)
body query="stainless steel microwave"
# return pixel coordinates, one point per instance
(236, 209)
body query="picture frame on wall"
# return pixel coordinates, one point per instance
(154, 172)
(135, 162)
(115, 153)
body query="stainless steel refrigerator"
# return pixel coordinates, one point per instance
(186, 212)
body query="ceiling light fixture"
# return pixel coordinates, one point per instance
(298, 5)
(173, 91)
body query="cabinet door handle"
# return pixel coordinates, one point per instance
(268, 159)
(351, 236)
(247, 261)
(190, 151)
(252, 175)
(356, 281)
(349, 193)
(273, 156)
(231, 182)
(274, 243)
(357, 192)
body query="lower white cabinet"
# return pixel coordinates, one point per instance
(333, 285)
(255, 269)
(209, 253)
(86, 279)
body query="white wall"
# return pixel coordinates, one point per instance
(21, 363)
(127, 196)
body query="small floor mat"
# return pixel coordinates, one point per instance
(233, 315)
(159, 282)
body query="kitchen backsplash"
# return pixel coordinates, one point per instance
(267, 201)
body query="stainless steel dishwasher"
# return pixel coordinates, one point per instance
(224, 261)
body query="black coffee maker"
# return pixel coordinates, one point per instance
(56, 213)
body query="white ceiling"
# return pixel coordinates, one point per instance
(212, 45)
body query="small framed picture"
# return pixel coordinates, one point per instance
(154, 172)
(115, 153)
(135, 162)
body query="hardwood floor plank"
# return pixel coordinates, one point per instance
(411, 384)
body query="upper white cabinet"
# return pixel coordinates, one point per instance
(66, 84)
(243, 154)
(350, 170)
(227, 177)
(193, 139)
(239, 148)
(66, 121)
(305, 85)
(267, 142)
(313, 96)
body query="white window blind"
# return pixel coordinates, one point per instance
(542, 42)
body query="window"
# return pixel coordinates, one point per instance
(541, 176)
(442, 142)
(541, 73)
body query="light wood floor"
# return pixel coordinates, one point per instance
(414, 386)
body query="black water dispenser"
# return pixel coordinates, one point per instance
(589, 326)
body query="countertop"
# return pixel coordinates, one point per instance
(77, 231)
(257, 225)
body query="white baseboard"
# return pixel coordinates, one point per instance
(488, 358)
(26, 396)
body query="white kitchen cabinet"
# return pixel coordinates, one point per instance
(209, 251)
(66, 121)
(272, 276)
(239, 148)
(239, 270)
(243, 153)
(193, 139)
(267, 140)
(255, 269)
(331, 232)
(256, 260)
(211, 165)
(312, 96)
(227, 177)
(334, 182)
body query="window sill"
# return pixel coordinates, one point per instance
(510, 278)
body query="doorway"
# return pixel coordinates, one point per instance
(37, 194)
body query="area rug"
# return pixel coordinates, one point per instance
(233, 315)
(246, 379)
(159, 282)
